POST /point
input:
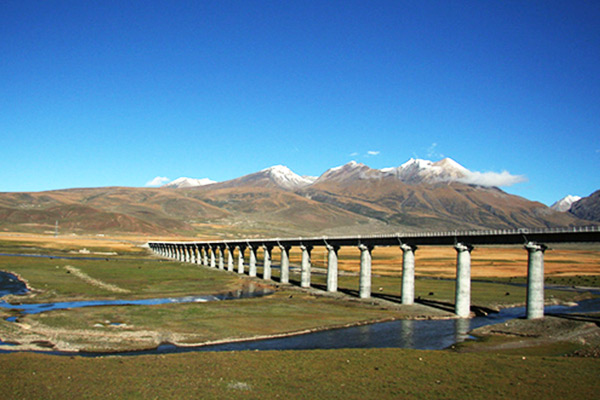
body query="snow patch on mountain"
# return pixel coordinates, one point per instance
(565, 203)
(418, 170)
(286, 178)
(188, 182)
(348, 172)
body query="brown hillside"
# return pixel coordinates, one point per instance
(437, 206)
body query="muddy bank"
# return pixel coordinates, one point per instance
(581, 331)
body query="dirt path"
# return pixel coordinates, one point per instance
(95, 282)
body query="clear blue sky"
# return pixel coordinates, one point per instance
(103, 93)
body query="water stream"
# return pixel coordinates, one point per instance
(413, 334)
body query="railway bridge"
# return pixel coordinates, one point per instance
(213, 254)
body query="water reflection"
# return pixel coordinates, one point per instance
(36, 308)
(461, 327)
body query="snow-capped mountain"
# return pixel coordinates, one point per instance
(188, 182)
(565, 203)
(412, 172)
(349, 172)
(417, 170)
(277, 176)
(284, 177)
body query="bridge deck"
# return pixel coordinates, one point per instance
(489, 237)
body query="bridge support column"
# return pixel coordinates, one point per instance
(230, 250)
(205, 258)
(267, 262)
(180, 254)
(535, 280)
(305, 266)
(364, 285)
(408, 273)
(221, 257)
(213, 261)
(188, 253)
(252, 262)
(285, 264)
(241, 250)
(198, 254)
(193, 253)
(463, 280)
(332, 268)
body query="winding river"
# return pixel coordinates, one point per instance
(411, 334)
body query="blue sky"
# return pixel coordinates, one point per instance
(106, 93)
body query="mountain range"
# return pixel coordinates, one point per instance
(353, 198)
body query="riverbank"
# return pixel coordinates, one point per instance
(575, 335)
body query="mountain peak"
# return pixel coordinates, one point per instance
(184, 182)
(565, 203)
(349, 172)
(418, 170)
(286, 178)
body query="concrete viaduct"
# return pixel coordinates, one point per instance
(211, 253)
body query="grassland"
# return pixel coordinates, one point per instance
(339, 374)
(494, 370)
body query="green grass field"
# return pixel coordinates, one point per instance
(318, 374)
(528, 373)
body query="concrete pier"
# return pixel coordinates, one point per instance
(535, 280)
(213, 263)
(463, 280)
(205, 258)
(285, 264)
(241, 250)
(305, 267)
(267, 262)
(196, 255)
(230, 250)
(181, 255)
(221, 257)
(408, 273)
(332, 268)
(185, 253)
(364, 285)
(252, 261)
(192, 252)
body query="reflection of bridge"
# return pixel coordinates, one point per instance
(533, 240)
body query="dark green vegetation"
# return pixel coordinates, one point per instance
(339, 374)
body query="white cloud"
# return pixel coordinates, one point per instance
(353, 154)
(158, 181)
(503, 178)
(372, 153)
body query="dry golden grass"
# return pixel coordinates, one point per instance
(74, 242)
(489, 262)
